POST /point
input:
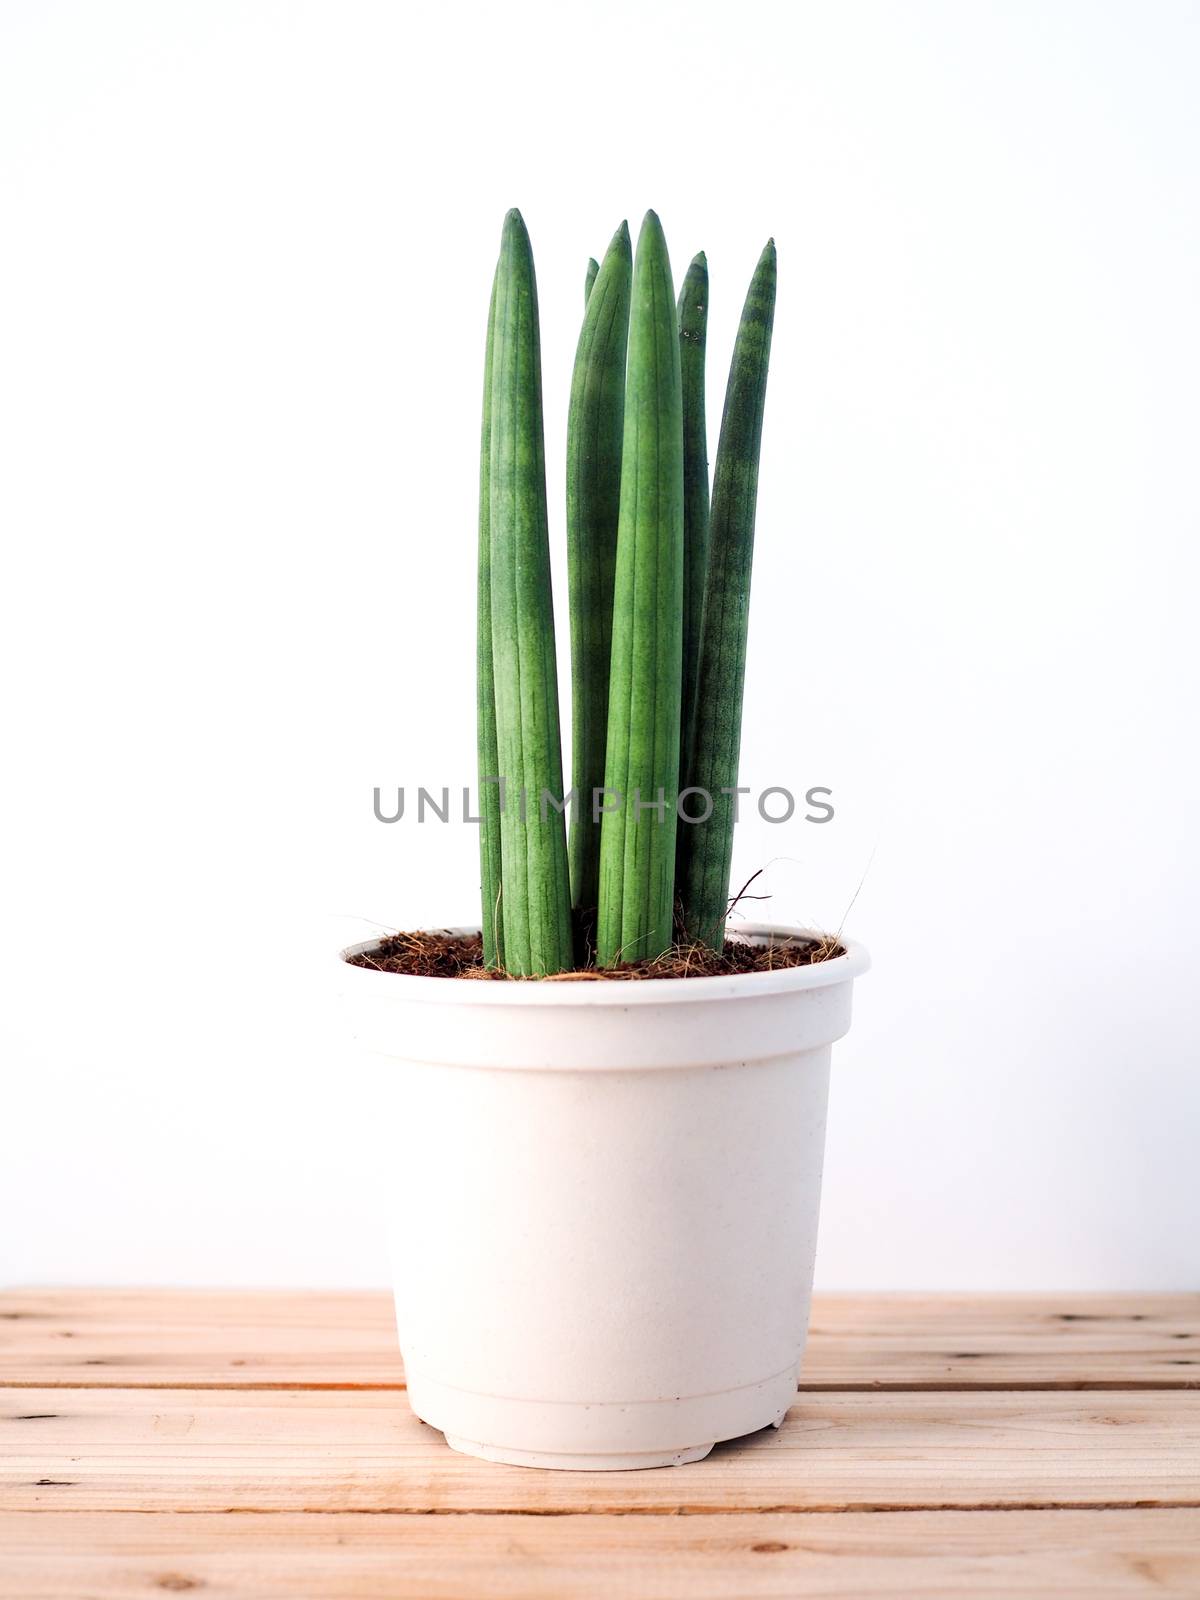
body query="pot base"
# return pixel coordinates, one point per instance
(610, 1437)
(576, 1463)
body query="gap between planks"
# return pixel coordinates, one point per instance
(650, 1514)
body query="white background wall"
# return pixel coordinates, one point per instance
(248, 252)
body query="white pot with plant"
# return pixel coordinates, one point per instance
(607, 1189)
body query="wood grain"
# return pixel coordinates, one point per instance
(957, 1446)
(1058, 1555)
(175, 1450)
(198, 1338)
(127, 1338)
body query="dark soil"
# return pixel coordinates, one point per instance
(454, 955)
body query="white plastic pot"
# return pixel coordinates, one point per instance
(604, 1202)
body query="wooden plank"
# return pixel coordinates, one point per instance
(1014, 1341)
(215, 1450)
(269, 1339)
(198, 1338)
(1057, 1555)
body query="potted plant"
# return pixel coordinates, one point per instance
(607, 1190)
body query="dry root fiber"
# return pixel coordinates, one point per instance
(455, 955)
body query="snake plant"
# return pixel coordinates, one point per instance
(693, 328)
(489, 760)
(659, 589)
(594, 430)
(708, 845)
(637, 837)
(531, 906)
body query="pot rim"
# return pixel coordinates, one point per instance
(619, 993)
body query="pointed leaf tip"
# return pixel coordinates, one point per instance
(652, 233)
(514, 223)
(620, 240)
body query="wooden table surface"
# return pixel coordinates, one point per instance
(259, 1445)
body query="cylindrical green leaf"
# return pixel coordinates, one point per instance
(706, 847)
(692, 312)
(637, 842)
(489, 767)
(593, 267)
(594, 426)
(535, 900)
